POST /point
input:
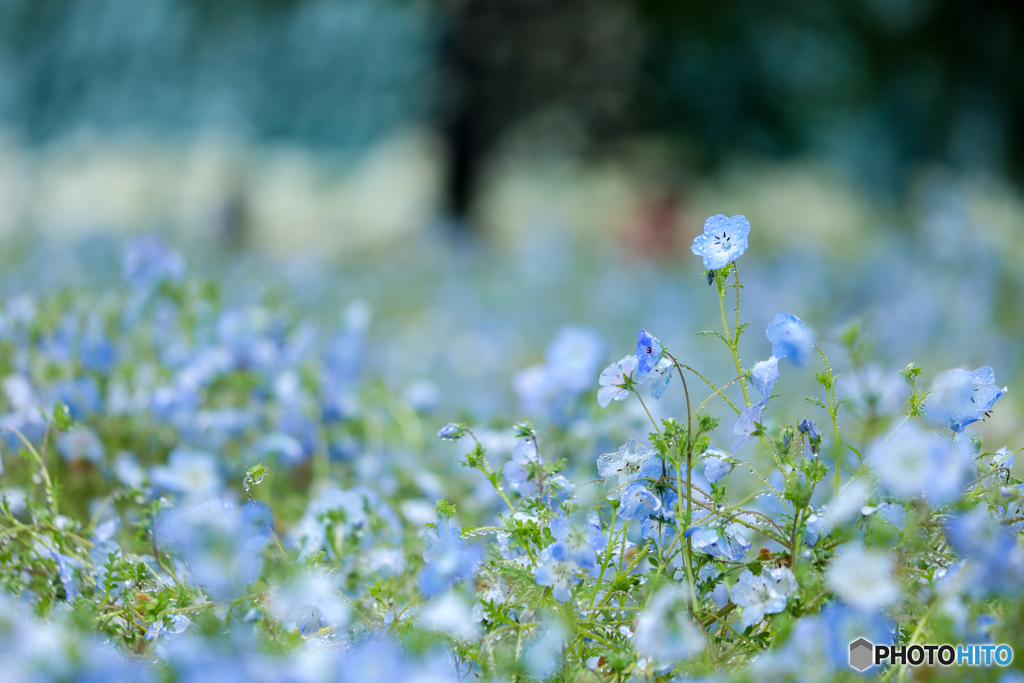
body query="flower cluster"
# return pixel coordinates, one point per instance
(223, 490)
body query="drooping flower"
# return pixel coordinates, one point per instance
(724, 240)
(648, 351)
(451, 432)
(726, 543)
(809, 428)
(963, 397)
(612, 380)
(746, 424)
(658, 378)
(763, 594)
(790, 338)
(764, 375)
(717, 464)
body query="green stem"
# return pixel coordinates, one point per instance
(732, 342)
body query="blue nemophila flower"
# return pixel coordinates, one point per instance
(809, 428)
(746, 424)
(726, 543)
(221, 544)
(189, 473)
(173, 625)
(66, 570)
(664, 630)
(790, 338)
(638, 502)
(894, 514)
(816, 527)
(660, 525)
(863, 577)
(764, 375)
(963, 397)
(763, 594)
(612, 380)
(573, 357)
(559, 574)
(631, 462)
(717, 464)
(516, 470)
(913, 462)
(148, 262)
(658, 378)
(451, 432)
(80, 443)
(871, 391)
(578, 538)
(448, 559)
(312, 601)
(995, 560)
(648, 352)
(724, 240)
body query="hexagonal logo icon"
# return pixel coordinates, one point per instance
(861, 654)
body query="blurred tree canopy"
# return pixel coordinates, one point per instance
(875, 86)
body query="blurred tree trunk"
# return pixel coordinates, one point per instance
(507, 61)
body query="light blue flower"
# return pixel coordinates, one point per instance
(658, 378)
(995, 560)
(717, 464)
(451, 432)
(764, 375)
(790, 338)
(631, 462)
(560, 575)
(173, 625)
(664, 630)
(448, 559)
(894, 514)
(80, 443)
(763, 594)
(611, 380)
(724, 240)
(573, 357)
(188, 472)
(913, 462)
(727, 544)
(148, 262)
(648, 352)
(638, 502)
(517, 470)
(222, 544)
(746, 424)
(65, 569)
(578, 538)
(962, 398)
